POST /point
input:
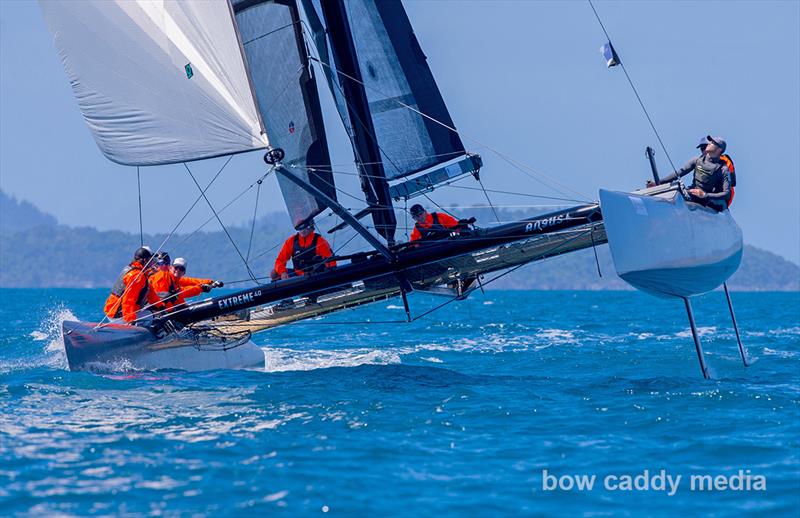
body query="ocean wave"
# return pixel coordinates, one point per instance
(701, 331)
(49, 330)
(557, 335)
(281, 360)
(432, 359)
(38, 336)
(781, 354)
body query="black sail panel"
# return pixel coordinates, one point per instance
(395, 72)
(287, 96)
(362, 132)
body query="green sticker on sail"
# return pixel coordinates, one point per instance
(189, 71)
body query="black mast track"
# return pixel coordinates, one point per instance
(373, 176)
(376, 265)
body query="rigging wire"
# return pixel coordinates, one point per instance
(405, 217)
(578, 232)
(451, 154)
(638, 97)
(203, 194)
(336, 223)
(178, 224)
(488, 200)
(496, 191)
(517, 164)
(139, 188)
(341, 247)
(253, 227)
(545, 255)
(437, 205)
(358, 120)
(383, 152)
(234, 200)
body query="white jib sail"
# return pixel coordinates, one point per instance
(158, 81)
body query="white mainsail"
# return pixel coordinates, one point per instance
(158, 81)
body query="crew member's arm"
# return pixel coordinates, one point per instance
(324, 250)
(719, 197)
(131, 295)
(192, 286)
(112, 304)
(683, 171)
(284, 256)
(415, 234)
(447, 221)
(725, 190)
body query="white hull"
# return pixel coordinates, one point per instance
(116, 347)
(668, 247)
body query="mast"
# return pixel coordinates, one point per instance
(368, 156)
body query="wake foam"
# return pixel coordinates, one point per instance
(280, 360)
(50, 330)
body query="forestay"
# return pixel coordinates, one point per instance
(158, 82)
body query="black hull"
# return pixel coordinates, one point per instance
(426, 263)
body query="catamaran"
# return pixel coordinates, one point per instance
(177, 82)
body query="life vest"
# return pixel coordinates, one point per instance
(435, 230)
(118, 289)
(165, 289)
(305, 259)
(729, 163)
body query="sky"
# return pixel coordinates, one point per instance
(522, 80)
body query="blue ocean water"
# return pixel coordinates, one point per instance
(459, 413)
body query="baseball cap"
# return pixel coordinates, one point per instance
(179, 262)
(416, 209)
(719, 141)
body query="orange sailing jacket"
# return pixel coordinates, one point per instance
(729, 162)
(190, 287)
(168, 291)
(129, 293)
(434, 221)
(323, 249)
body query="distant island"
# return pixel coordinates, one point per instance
(37, 252)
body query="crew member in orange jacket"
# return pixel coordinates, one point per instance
(430, 225)
(129, 293)
(190, 286)
(169, 287)
(307, 250)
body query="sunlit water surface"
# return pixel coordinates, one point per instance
(457, 413)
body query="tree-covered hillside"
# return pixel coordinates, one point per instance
(36, 252)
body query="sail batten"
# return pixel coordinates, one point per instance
(157, 82)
